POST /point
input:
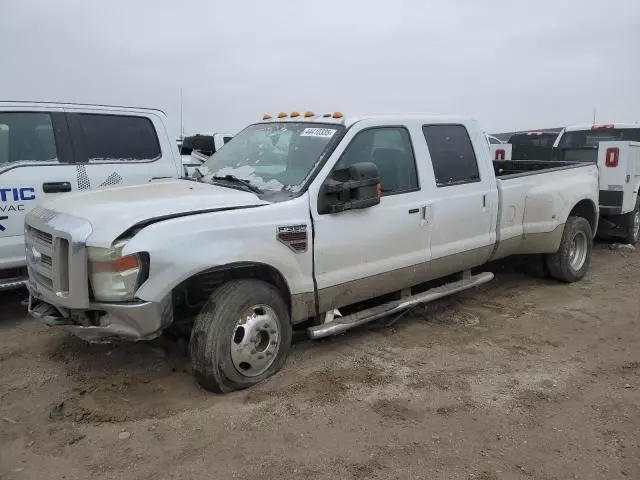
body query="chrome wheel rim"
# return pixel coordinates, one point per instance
(636, 224)
(578, 251)
(255, 340)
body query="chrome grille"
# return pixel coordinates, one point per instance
(47, 260)
(43, 237)
(56, 257)
(39, 252)
(42, 280)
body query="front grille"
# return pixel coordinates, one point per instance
(42, 280)
(43, 237)
(57, 258)
(47, 260)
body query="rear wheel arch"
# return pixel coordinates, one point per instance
(586, 209)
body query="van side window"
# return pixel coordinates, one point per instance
(118, 138)
(226, 139)
(452, 156)
(391, 150)
(26, 136)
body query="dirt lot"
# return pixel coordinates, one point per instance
(522, 378)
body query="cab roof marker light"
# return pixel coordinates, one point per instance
(266, 116)
(337, 115)
(308, 114)
(294, 114)
(282, 115)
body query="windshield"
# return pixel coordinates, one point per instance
(274, 156)
(591, 138)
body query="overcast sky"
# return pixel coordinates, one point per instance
(509, 64)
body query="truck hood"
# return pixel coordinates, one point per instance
(114, 210)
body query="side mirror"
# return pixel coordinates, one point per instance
(351, 188)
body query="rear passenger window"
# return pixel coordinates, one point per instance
(454, 161)
(26, 136)
(390, 149)
(118, 138)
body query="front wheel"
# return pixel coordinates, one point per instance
(241, 336)
(571, 262)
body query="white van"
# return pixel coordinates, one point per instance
(50, 149)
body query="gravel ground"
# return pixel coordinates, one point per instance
(521, 378)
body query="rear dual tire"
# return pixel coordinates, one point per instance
(571, 262)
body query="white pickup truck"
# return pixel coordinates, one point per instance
(50, 149)
(499, 150)
(196, 149)
(615, 148)
(326, 220)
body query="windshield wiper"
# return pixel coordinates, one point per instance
(240, 181)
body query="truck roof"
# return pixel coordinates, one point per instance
(601, 126)
(350, 120)
(41, 104)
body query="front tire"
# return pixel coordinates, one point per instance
(241, 336)
(571, 262)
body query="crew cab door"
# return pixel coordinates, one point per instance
(463, 210)
(360, 254)
(114, 148)
(35, 165)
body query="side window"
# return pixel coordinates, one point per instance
(226, 139)
(118, 138)
(26, 136)
(454, 161)
(390, 149)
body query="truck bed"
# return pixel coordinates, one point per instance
(519, 168)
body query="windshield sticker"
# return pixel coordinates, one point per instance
(318, 132)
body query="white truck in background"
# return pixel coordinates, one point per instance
(321, 220)
(196, 149)
(533, 145)
(499, 150)
(615, 148)
(52, 149)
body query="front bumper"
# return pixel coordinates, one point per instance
(104, 322)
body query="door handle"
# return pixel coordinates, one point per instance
(414, 210)
(56, 187)
(425, 213)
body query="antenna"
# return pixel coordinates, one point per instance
(594, 115)
(181, 122)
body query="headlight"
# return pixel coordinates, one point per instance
(115, 278)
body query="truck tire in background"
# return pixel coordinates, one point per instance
(631, 225)
(241, 336)
(571, 262)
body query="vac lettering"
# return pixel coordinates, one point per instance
(2, 229)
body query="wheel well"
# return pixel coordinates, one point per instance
(587, 210)
(190, 295)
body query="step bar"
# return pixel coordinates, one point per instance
(342, 324)
(12, 283)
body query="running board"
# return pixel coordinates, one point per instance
(342, 324)
(12, 283)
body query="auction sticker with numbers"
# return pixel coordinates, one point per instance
(318, 132)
